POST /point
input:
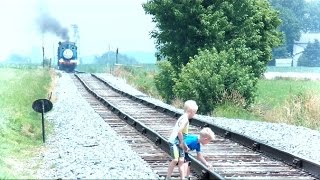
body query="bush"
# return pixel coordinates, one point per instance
(211, 76)
(164, 80)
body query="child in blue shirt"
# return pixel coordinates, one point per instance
(194, 142)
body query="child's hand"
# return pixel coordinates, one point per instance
(184, 147)
(208, 165)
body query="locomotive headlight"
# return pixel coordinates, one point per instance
(67, 54)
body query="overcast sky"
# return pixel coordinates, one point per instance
(102, 24)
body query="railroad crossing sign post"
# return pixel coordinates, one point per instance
(42, 106)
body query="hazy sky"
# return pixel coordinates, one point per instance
(102, 24)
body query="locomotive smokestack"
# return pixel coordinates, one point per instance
(51, 25)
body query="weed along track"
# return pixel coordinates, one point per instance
(146, 127)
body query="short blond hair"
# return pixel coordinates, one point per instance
(190, 104)
(207, 133)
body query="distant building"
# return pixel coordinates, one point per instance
(283, 62)
(300, 45)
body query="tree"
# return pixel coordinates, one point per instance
(164, 81)
(291, 14)
(186, 27)
(17, 59)
(311, 17)
(297, 16)
(311, 55)
(110, 57)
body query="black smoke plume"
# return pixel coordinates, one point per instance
(51, 25)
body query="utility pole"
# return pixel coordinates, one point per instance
(108, 53)
(76, 37)
(117, 55)
(75, 33)
(53, 54)
(42, 50)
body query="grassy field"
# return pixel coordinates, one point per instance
(290, 101)
(287, 101)
(274, 93)
(20, 126)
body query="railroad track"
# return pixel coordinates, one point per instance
(156, 157)
(232, 156)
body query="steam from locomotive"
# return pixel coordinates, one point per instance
(49, 24)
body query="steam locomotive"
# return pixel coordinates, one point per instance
(67, 56)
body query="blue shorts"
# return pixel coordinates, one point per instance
(176, 151)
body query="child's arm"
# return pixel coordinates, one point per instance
(181, 140)
(201, 158)
(182, 125)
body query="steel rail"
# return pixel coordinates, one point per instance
(202, 171)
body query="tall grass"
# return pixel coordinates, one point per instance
(290, 101)
(301, 109)
(20, 129)
(139, 78)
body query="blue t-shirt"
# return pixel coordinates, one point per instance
(192, 142)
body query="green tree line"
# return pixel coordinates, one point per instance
(111, 58)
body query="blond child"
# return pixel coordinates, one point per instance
(194, 142)
(176, 142)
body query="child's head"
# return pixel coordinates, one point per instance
(206, 135)
(191, 108)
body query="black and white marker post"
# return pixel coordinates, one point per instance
(42, 106)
